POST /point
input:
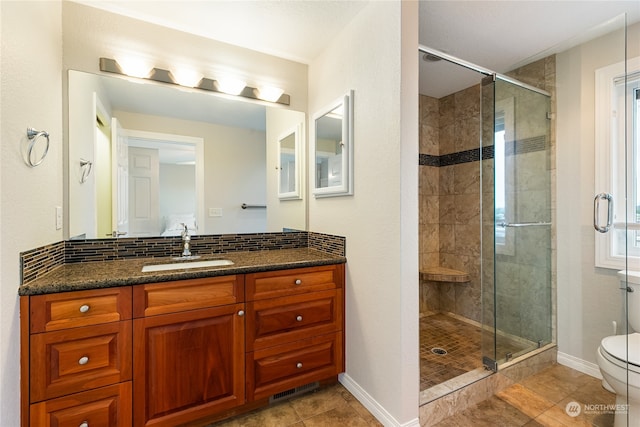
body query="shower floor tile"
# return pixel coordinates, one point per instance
(461, 341)
(463, 344)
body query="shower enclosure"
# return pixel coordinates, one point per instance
(516, 220)
(486, 223)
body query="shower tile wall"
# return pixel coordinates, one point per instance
(450, 200)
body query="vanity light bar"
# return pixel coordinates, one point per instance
(159, 75)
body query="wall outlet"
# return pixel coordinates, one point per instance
(58, 217)
(213, 212)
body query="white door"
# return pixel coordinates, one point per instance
(119, 180)
(144, 184)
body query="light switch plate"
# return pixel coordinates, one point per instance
(215, 212)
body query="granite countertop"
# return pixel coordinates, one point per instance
(107, 274)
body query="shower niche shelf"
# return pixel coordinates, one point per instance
(441, 274)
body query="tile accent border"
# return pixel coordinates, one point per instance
(39, 261)
(522, 146)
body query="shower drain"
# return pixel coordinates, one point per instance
(439, 351)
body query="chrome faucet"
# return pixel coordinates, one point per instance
(186, 241)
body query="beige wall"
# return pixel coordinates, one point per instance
(380, 220)
(234, 169)
(588, 297)
(90, 33)
(31, 92)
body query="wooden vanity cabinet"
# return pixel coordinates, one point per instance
(188, 350)
(295, 328)
(185, 352)
(76, 358)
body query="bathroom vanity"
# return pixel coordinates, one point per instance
(178, 347)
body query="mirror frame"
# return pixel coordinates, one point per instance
(346, 187)
(296, 194)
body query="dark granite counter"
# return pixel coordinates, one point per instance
(106, 274)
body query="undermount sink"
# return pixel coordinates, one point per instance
(185, 265)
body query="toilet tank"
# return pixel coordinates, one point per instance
(631, 279)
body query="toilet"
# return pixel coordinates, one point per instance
(619, 359)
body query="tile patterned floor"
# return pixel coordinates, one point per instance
(539, 400)
(327, 407)
(461, 340)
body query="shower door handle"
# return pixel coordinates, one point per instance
(596, 212)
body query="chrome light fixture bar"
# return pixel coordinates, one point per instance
(164, 76)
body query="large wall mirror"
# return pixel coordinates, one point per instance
(146, 159)
(332, 163)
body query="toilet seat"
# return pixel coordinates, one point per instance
(616, 351)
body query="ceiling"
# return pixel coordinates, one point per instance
(498, 35)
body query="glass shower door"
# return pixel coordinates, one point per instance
(516, 197)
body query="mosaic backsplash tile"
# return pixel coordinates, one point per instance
(39, 261)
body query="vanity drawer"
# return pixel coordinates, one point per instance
(54, 312)
(73, 360)
(277, 321)
(272, 284)
(183, 295)
(105, 407)
(281, 368)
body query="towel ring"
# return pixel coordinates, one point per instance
(33, 136)
(85, 168)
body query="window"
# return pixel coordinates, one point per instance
(504, 137)
(618, 162)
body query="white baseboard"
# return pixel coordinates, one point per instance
(372, 406)
(583, 366)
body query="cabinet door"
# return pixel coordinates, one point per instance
(105, 407)
(188, 365)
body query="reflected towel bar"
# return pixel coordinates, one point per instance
(522, 224)
(246, 206)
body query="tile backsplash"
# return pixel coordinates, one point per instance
(39, 261)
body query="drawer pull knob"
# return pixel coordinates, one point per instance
(83, 309)
(298, 365)
(83, 360)
(241, 313)
(298, 282)
(299, 318)
(84, 424)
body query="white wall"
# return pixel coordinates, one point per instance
(234, 169)
(588, 297)
(380, 221)
(284, 213)
(31, 91)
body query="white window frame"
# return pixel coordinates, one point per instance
(609, 177)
